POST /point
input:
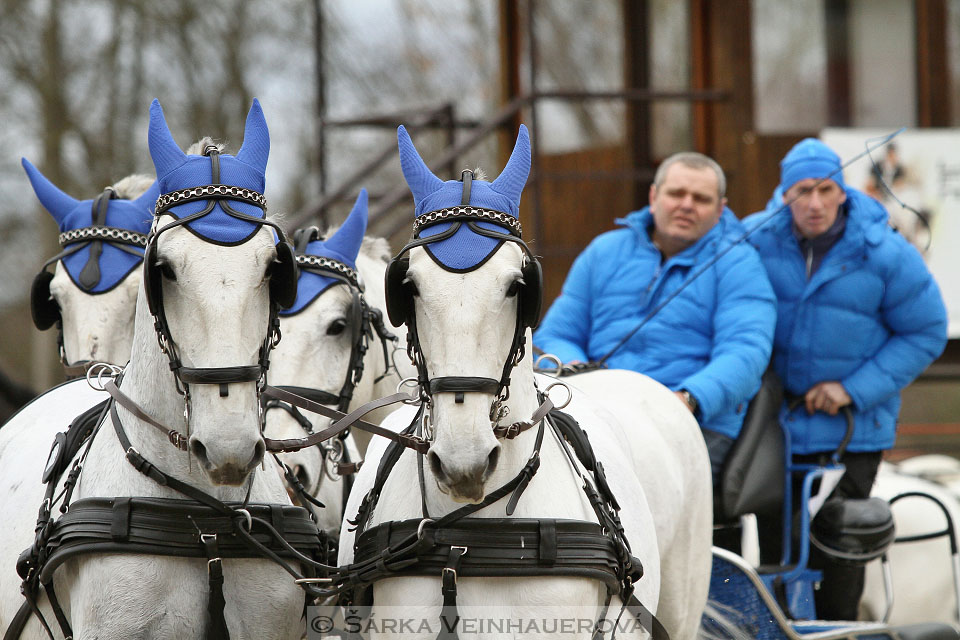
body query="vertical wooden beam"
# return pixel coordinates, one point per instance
(837, 25)
(933, 77)
(700, 69)
(637, 76)
(510, 42)
(722, 59)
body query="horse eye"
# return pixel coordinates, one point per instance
(336, 327)
(301, 474)
(411, 286)
(167, 271)
(514, 288)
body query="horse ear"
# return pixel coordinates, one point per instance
(256, 139)
(348, 238)
(514, 176)
(419, 178)
(51, 197)
(165, 152)
(148, 198)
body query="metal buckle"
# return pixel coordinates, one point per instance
(177, 439)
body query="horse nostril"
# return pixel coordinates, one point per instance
(492, 460)
(199, 451)
(435, 465)
(258, 452)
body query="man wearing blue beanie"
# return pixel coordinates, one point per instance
(859, 317)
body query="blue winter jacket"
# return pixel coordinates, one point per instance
(871, 317)
(713, 339)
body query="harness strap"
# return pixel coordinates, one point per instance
(19, 621)
(216, 625)
(449, 616)
(176, 438)
(58, 610)
(646, 619)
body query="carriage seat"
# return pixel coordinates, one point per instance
(853, 531)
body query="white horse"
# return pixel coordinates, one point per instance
(215, 302)
(92, 296)
(466, 313)
(331, 329)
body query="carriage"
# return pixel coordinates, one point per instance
(776, 601)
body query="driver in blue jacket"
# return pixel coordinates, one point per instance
(712, 342)
(859, 316)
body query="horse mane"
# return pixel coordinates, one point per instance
(376, 249)
(197, 147)
(132, 186)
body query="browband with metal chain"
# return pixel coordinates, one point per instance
(210, 191)
(319, 262)
(464, 212)
(111, 234)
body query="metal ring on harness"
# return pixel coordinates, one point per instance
(101, 368)
(550, 358)
(249, 519)
(546, 392)
(422, 524)
(412, 381)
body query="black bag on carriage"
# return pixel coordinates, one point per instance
(754, 471)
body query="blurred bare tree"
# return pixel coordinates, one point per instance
(78, 77)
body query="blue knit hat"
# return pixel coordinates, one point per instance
(810, 158)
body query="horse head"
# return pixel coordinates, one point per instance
(92, 292)
(216, 272)
(468, 290)
(326, 336)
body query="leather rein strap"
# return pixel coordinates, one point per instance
(344, 421)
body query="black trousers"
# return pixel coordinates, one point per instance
(839, 594)
(725, 535)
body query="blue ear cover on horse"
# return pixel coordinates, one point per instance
(343, 246)
(177, 170)
(70, 213)
(464, 250)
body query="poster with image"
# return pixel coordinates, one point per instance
(917, 178)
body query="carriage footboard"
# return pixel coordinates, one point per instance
(740, 606)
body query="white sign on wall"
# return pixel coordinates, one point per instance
(922, 169)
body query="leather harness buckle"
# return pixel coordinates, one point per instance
(177, 439)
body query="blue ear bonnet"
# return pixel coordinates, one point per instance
(176, 171)
(217, 226)
(464, 250)
(114, 263)
(343, 247)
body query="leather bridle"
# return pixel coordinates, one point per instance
(400, 304)
(280, 294)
